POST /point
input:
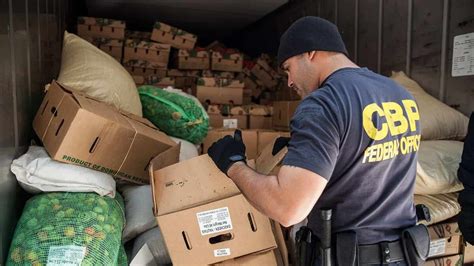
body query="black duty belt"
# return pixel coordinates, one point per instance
(383, 252)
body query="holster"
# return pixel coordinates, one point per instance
(416, 244)
(347, 248)
(306, 247)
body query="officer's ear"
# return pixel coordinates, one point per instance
(311, 55)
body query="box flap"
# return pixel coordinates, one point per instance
(189, 183)
(266, 161)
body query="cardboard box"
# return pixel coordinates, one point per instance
(451, 245)
(260, 259)
(203, 216)
(193, 59)
(282, 113)
(251, 82)
(265, 73)
(140, 35)
(445, 239)
(218, 74)
(156, 53)
(160, 82)
(183, 73)
(468, 253)
(285, 93)
(249, 137)
(79, 130)
(230, 121)
(267, 137)
(442, 230)
(281, 252)
(177, 38)
(142, 68)
(227, 61)
(446, 261)
(260, 122)
(112, 47)
(267, 163)
(100, 27)
(220, 91)
(185, 82)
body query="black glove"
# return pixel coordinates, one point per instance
(228, 151)
(280, 143)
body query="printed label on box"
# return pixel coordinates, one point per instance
(214, 221)
(222, 252)
(437, 247)
(66, 255)
(463, 55)
(231, 123)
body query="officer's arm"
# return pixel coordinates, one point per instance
(287, 198)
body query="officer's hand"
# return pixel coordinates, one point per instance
(228, 151)
(280, 143)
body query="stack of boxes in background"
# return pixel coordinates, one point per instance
(237, 92)
(447, 246)
(107, 34)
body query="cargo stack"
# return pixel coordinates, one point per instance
(447, 246)
(107, 34)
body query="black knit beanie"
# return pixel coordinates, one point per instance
(310, 34)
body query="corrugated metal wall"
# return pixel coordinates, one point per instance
(30, 45)
(415, 36)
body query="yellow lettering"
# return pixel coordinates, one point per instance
(372, 131)
(394, 114)
(412, 112)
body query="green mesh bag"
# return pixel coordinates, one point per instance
(69, 229)
(175, 114)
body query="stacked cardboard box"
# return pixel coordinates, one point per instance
(156, 54)
(282, 113)
(107, 34)
(195, 59)
(177, 38)
(447, 246)
(219, 91)
(227, 60)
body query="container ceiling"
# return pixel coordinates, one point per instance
(206, 18)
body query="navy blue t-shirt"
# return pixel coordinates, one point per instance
(361, 132)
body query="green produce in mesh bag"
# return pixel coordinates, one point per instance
(175, 114)
(69, 229)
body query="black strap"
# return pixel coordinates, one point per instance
(384, 252)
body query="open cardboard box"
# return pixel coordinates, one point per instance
(77, 129)
(203, 216)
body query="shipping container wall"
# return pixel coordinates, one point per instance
(30, 50)
(414, 36)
